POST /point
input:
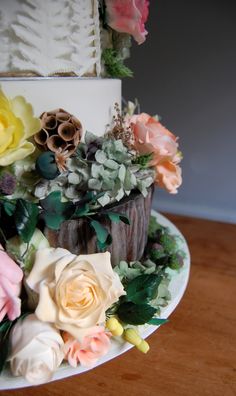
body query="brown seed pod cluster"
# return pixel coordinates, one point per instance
(60, 133)
(120, 130)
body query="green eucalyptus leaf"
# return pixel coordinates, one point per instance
(95, 184)
(111, 164)
(26, 218)
(143, 288)
(135, 314)
(120, 194)
(81, 211)
(100, 230)
(100, 156)
(117, 217)
(157, 321)
(74, 178)
(9, 207)
(103, 246)
(122, 173)
(55, 211)
(96, 170)
(108, 184)
(104, 200)
(104, 239)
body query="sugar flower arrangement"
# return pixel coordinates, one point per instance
(122, 19)
(58, 306)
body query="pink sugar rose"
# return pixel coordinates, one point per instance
(128, 16)
(10, 285)
(152, 137)
(94, 345)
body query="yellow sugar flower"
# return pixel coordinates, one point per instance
(17, 124)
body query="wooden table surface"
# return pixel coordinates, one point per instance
(195, 353)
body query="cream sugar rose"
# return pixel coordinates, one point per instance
(36, 350)
(74, 291)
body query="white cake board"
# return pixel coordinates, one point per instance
(177, 288)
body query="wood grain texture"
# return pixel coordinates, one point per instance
(128, 241)
(195, 353)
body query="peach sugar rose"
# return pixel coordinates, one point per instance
(74, 291)
(95, 344)
(152, 137)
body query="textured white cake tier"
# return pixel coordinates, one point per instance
(91, 100)
(50, 36)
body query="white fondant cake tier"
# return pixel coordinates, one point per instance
(91, 100)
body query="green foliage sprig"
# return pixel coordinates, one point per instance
(114, 64)
(135, 307)
(163, 248)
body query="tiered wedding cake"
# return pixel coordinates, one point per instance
(76, 181)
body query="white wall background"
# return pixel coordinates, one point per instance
(186, 72)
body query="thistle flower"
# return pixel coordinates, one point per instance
(7, 183)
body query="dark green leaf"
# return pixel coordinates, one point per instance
(103, 246)
(55, 211)
(5, 327)
(26, 217)
(157, 322)
(101, 231)
(81, 211)
(143, 288)
(117, 217)
(4, 347)
(135, 314)
(103, 237)
(9, 207)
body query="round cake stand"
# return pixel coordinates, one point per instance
(177, 286)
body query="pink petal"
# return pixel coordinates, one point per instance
(9, 268)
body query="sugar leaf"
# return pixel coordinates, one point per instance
(55, 211)
(143, 288)
(135, 314)
(26, 217)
